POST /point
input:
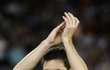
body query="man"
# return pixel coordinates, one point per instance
(55, 59)
(62, 33)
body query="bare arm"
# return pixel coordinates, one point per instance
(76, 62)
(32, 59)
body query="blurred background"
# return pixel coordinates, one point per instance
(25, 23)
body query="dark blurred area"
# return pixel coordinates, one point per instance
(25, 23)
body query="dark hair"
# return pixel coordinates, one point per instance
(56, 53)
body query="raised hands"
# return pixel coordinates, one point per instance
(55, 37)
(71, 25)
(63, 31)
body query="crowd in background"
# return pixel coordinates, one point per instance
(25, 23)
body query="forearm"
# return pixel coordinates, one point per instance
(76, 62)
(32, 59)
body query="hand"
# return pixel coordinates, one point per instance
(71, 25)
(54, 37)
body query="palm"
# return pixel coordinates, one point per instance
(71, 25)
(55, 36)
(58, 39)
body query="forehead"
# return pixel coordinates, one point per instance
(54, 65)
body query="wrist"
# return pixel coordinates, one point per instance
(48, 42)
(67, 39)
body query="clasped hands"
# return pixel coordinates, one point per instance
(64, 31)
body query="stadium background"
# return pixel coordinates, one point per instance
(25, 23)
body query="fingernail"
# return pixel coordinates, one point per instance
(63, 16)
(65, 12)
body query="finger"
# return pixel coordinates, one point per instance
(63, 26)
(77, 22)
(68, 17)
(72, 17)
(60, 29)
(60, 26)
(72, 20)
(65, 19)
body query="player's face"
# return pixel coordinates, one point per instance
(54, 65)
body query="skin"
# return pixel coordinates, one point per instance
(62, 33)
(54, 65)
(75, 60)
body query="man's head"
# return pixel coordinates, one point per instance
(55, 59)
